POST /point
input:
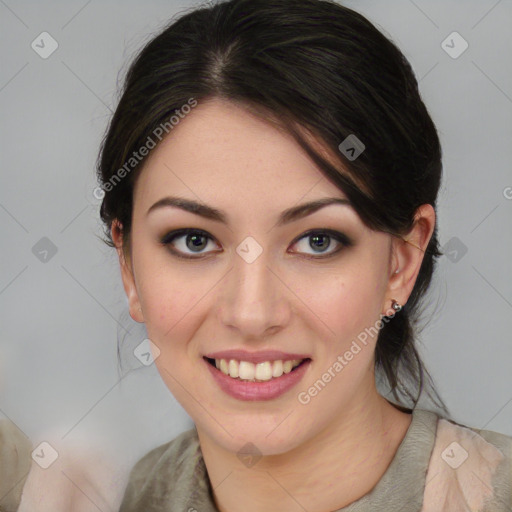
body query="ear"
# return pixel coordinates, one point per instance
(127, 273)
(407, 256)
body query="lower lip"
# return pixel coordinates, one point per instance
(255, 391)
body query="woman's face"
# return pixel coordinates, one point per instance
(254, 283)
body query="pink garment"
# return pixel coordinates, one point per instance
(461, 469)
(79, 480)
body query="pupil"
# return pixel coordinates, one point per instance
(321, 246)
(195, 241)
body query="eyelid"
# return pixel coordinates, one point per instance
(169, 237)
(338, 236)
(343, 241)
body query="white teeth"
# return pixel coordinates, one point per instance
(244, 370)
(287, 366)
(224, 366)
(263, 371)
(233, 368)
(277, 369)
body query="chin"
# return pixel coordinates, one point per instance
(264, 437)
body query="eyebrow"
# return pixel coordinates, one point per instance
(208, 212)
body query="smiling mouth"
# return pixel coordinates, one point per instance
(259, 372)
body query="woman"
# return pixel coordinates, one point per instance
(271, 176)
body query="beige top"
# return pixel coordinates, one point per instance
(15, 462)
(439, 466)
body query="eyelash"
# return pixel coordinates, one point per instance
(341, 238)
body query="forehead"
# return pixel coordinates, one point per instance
(222, 153)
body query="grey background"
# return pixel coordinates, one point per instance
(59, 319)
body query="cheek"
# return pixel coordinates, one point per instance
(167, 293)
(175, 301)
(344, 303)
(172, 314)
(169, 309)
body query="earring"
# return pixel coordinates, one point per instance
(395, 305)
(397, 270)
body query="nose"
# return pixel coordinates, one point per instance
(254, 299)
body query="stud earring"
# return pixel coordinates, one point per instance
(397, 270)
(395, 305)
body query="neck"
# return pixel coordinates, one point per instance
(357, 447)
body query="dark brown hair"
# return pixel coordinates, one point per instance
(309, 65)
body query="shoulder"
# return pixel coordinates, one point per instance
(15, 461)
(165, 473)
(175, 453)
(469, 468)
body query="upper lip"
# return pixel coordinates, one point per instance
(255, 357)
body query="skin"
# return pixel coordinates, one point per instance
(222, 155)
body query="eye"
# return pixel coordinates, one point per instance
(196, 240)
(321, 239)
(183, 239)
